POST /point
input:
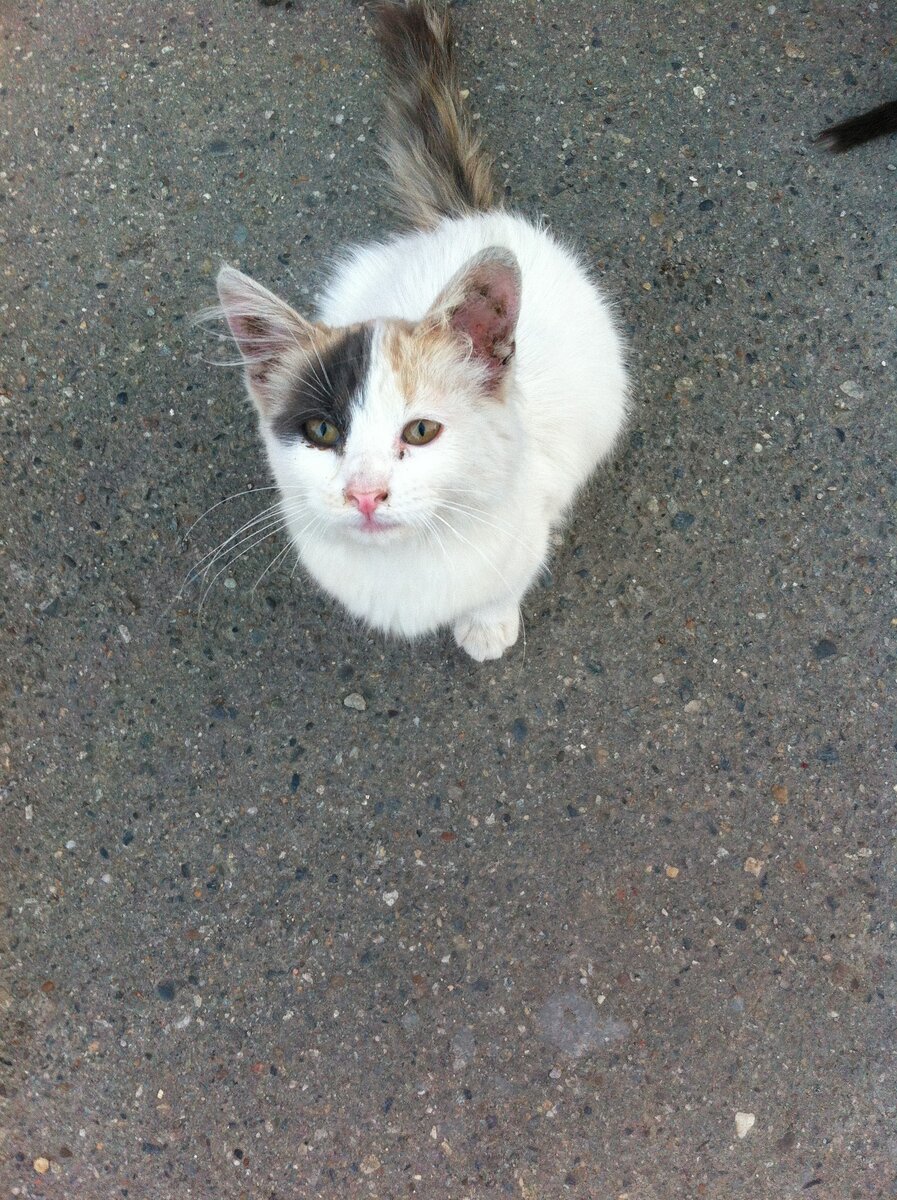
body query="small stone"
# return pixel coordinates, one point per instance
(744, 1123)
(694, 706)
(370, 1165)
(41, 1165)
(699, 92)
(753, 866)
(851, 388)
(682, 521)
(464, 1049)
(780, 794)
(825, 649)
(355, 701)
(672, 872)
(656, 220)
(570, 1023)
(751, 185)
(793, 51)
(389, 898)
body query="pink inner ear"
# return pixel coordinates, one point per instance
(488, 316)
(254, 335)
(263, 326)
(260, 344)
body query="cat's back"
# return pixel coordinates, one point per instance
(402, 276)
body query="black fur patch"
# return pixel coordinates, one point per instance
(876, 123)
(328, 389)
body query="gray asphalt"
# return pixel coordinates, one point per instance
(539, 928)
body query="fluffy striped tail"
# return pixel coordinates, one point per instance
(437, 165)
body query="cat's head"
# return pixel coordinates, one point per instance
(388, 428)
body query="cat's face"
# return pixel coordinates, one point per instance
(387, 429)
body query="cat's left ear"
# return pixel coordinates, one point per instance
(481, 305)
(265, 329)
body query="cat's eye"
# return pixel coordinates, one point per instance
(321, 433)
(418, 433)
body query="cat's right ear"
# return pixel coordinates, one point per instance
(480, 306)
(266, 331)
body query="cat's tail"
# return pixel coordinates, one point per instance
(876, 123)
(436, 163)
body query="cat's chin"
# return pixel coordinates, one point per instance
(374, 532)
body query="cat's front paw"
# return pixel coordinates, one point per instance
(488, 636)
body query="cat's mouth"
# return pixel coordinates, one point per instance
(373, 526)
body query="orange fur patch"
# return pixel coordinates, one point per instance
(426, 353)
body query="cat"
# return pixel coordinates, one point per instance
(459, 385)
(855, 131)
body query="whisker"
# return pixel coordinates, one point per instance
(431, 528)
(475, 548)
(263, 525)
(267, 516)
(311, 527)
(477, 515)
(326, 381)
(280, 554)
(256, 539)
(246, 492)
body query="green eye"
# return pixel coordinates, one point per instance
(321, 433)
(418, 433)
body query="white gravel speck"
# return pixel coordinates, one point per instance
(744, 1123)
(356, 701)
(389, 898)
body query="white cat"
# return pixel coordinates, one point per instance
(460, 385)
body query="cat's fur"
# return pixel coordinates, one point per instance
(856, 131)
(478, 320)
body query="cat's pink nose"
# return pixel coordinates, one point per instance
(366, 502)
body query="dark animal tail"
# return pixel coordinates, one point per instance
(437, 165)
(876, 123)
